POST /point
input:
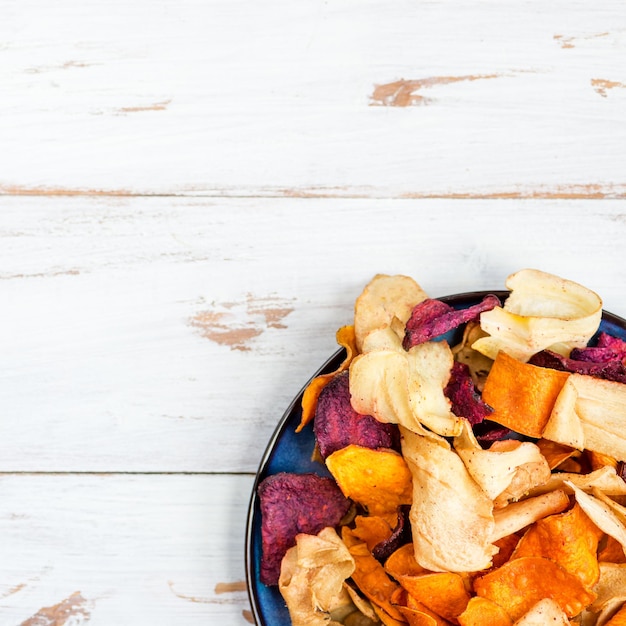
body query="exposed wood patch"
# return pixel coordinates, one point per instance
(70, 272)
(17, 190)
(572, 42)
(235, 324)
(72, 610)
(12, 590)
(239, 585)
(402, 93)
(602, 85)
(184, 596)
(247, 615)
(157, 106)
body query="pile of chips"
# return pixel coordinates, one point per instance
(475, 484)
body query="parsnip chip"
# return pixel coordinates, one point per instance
(611, 586)
(570, 539)
(406, 388)
(590, 413)
(546, 611)
(543, 311)
(519, 584)
(619, 618)
(508, 468)
(522, 395)
(380, 479)
(312, 578)
(451, 516)
(606, 517)
(384, 298)
(484, 612)
(345, 338)
(605, 479)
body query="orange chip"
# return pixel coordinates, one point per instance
(372, 529)
(507, 546)
(345, 338)
(612, 552)
(555, 453)
(444, 593)
(402, 562)
(369, 575)
(522, 395)
(570, 539)
(387, 619)
(484, 612)
(414, 612)
(380, 479)
(519, 584)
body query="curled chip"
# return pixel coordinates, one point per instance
(383, 299)
(609, 370)
(482, 611)
(433, 318)
(377, 479)
(466, 401)
(345, 338)
(570, 539)
(337, 424)
(451, 517)
(522, 395)
(312, 578)
(519, 584)
(292, 504)
(542, 311)
(400, 535)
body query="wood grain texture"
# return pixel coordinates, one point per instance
(170, 334)
(104, 550)
(333, 99)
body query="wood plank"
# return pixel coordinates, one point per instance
(170, 334)
(123, 549)
(333, 99)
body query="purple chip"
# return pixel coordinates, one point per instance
(465, 400)
(401, 534)
(338, 425)
(432, 318)
(614, 370)
(292, 504)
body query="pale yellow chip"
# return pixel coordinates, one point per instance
(451, 517)
(543, 311)
(383, 299)
(546, 611)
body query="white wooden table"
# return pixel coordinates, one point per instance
(192, 196)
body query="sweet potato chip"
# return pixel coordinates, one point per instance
(402, 563)
(443, 593)
(383, 299)
(542, 311)
(380, 480)
(519, 584)
(546, 611)
(522, 396)
(555, 453)
(370, 576)
(612, 551)
(451, 516)
(619, 618)
(484, 612)
(570, 539)
(345, 338)
(372, 529)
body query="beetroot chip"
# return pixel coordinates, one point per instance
(608, 370)
(608, 348)
(292, 504)
(338, 425)
(432, 318)
(401, 534)
(465, 400)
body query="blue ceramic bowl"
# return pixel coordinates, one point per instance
(288, 451)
